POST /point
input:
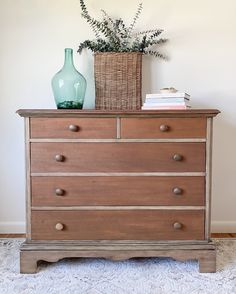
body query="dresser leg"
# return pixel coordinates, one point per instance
(28, 263)
(207, 263)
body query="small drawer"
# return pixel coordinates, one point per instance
(73, 128)
(92, 191)
(162, 128)
(118, 225)
(113, 157)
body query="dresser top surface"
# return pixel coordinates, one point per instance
(112, 113)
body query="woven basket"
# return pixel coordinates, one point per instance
(118, 80)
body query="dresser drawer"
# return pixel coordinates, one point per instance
(144, 128)
(117, 157)
(73, 128)
(117, 225)
(66, 191)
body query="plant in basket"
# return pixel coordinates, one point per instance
(118, 52)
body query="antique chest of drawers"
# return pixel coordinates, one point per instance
(118, 185)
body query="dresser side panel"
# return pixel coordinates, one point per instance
(28, 177)
(208, 178)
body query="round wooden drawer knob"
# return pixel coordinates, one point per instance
(177, 191)
(178, 157)
(164, 128)
(73, 128)
(59, 158)
(59, 227)
(59, 192)
(177, 226)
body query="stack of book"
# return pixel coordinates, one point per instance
(176, 100)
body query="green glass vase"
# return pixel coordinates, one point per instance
(69, 85)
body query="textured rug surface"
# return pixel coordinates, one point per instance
(99, 276)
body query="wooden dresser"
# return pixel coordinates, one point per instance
(118, 185)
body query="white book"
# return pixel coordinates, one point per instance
(167, 100)
(166, 107)
(168, 95)
(165, 104)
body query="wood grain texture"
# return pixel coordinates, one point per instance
(213, 235)
(117, 191)
(98, 113)
(135, 128)
(117, 225)
(27, 178)
(207, 262)
(119, 174)
(112, 157)
(118, 128)
(29, 262)
(206, 258)
(182, 140)
(116, 207)
(208, 177)
(95, 128)
(117, 244)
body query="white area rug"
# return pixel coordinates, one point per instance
(99, 276)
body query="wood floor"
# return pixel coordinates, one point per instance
(12, 235)
(223, 235)
(214, 235)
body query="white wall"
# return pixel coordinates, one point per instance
(202, 50)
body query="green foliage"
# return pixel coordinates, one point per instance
(112, 35)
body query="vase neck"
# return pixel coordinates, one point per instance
(68, 63)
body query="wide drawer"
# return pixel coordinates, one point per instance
(73, 128)
(117, 157)
(118, 225)
(144, 128)
(66, 191)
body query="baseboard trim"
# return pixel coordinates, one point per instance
(12, 227)
(19, 227)
(223, 226)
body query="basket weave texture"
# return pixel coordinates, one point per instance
(118, 80)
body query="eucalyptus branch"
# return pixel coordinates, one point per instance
(83, 7)
(156, 42)
(117, 37)
(86, 15)
(157, 31)
(106, 16)
(155, 54)
(136, 17)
